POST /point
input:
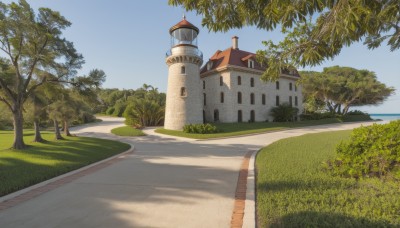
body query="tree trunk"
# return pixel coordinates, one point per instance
(57, 130)
(66, 128)
(38, 136)
(18, 129)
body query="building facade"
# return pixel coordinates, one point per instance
(226, 89)
(233, 91)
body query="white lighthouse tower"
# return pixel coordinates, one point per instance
(184, 95)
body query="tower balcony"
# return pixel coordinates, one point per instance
(184, 50)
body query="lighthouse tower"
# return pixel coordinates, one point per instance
(184, 95)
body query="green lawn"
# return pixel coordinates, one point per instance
(42, 161)
(294, 191)
(235, 129)
(127, 131)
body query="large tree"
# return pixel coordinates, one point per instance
(315, 30)
(340, 88)
(32, 43)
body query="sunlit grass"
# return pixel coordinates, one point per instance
(294, 191)
(42, 161)
(127, 131)
(236, 129)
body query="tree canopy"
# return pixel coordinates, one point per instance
(315, 30)
(340, 88)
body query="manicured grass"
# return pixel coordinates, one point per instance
(42, 161)
(235, 129)
(293, 190)
(127, 131)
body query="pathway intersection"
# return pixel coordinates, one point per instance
(166, 182)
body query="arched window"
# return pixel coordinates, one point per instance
(204, 116)
(222, 97)
(183, 70)
(183, 92)
(239, 80)
(277, 85)
(263, 99)
(290, 86)
(204, 84)
(240, 116)
(277, 101)
(296, 102)
(290, 100)
(221, 81)
(204, 99)
(216, 115)
(251, 82)
(239, 97)
(252, 98)
(252, 116)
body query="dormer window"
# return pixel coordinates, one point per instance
(251, 63)
(209, 65)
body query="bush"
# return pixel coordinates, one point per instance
(200, 128)
(110, 111)
(284, 113)
(317, 116)
(353, 118)
(372, 151)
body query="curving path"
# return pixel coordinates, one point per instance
(166, 182)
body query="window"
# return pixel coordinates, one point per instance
(183, 70)
(252, 116)
(222, 97)
(252, 98)
(216, 115)
(221, 81)
(250, 63)
(239, 97)
(251, 82)
(239, 80)
(277, 101)
(204, 116)
(290, 100)
(209, 65)
(263, 99)
(290, 86)
(240, 116)
(295, 88)
(277, 85)
(204, 99)
(296, 102)
(204, 84)
(183, 92)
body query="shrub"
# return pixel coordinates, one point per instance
(284, 113)
(317, 116)
(372, 151)
(110, 111)
(200, 128)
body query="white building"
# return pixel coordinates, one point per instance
(226, 89)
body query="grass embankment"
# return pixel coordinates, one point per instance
(294, 191)
(235, 129)
(127, 131)
(42, 161)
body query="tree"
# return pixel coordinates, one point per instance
(340, 88)
(284, 113)
(315, 30)
(32, 42)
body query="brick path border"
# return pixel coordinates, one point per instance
(240, 194)
(56, 182)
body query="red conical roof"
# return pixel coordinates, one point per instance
(183, 24)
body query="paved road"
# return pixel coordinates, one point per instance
(167, 182)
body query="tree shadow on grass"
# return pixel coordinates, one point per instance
(322, 219)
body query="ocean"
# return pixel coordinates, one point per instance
(385, 116)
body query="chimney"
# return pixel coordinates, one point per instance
(235, 44)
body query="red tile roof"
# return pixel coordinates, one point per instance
(183, 24)
(233, 57)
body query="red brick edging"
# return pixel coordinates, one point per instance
(57, 183)
(240, 194)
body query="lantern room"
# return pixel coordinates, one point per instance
(184, 33)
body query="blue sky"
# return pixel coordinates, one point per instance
(128, 40)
